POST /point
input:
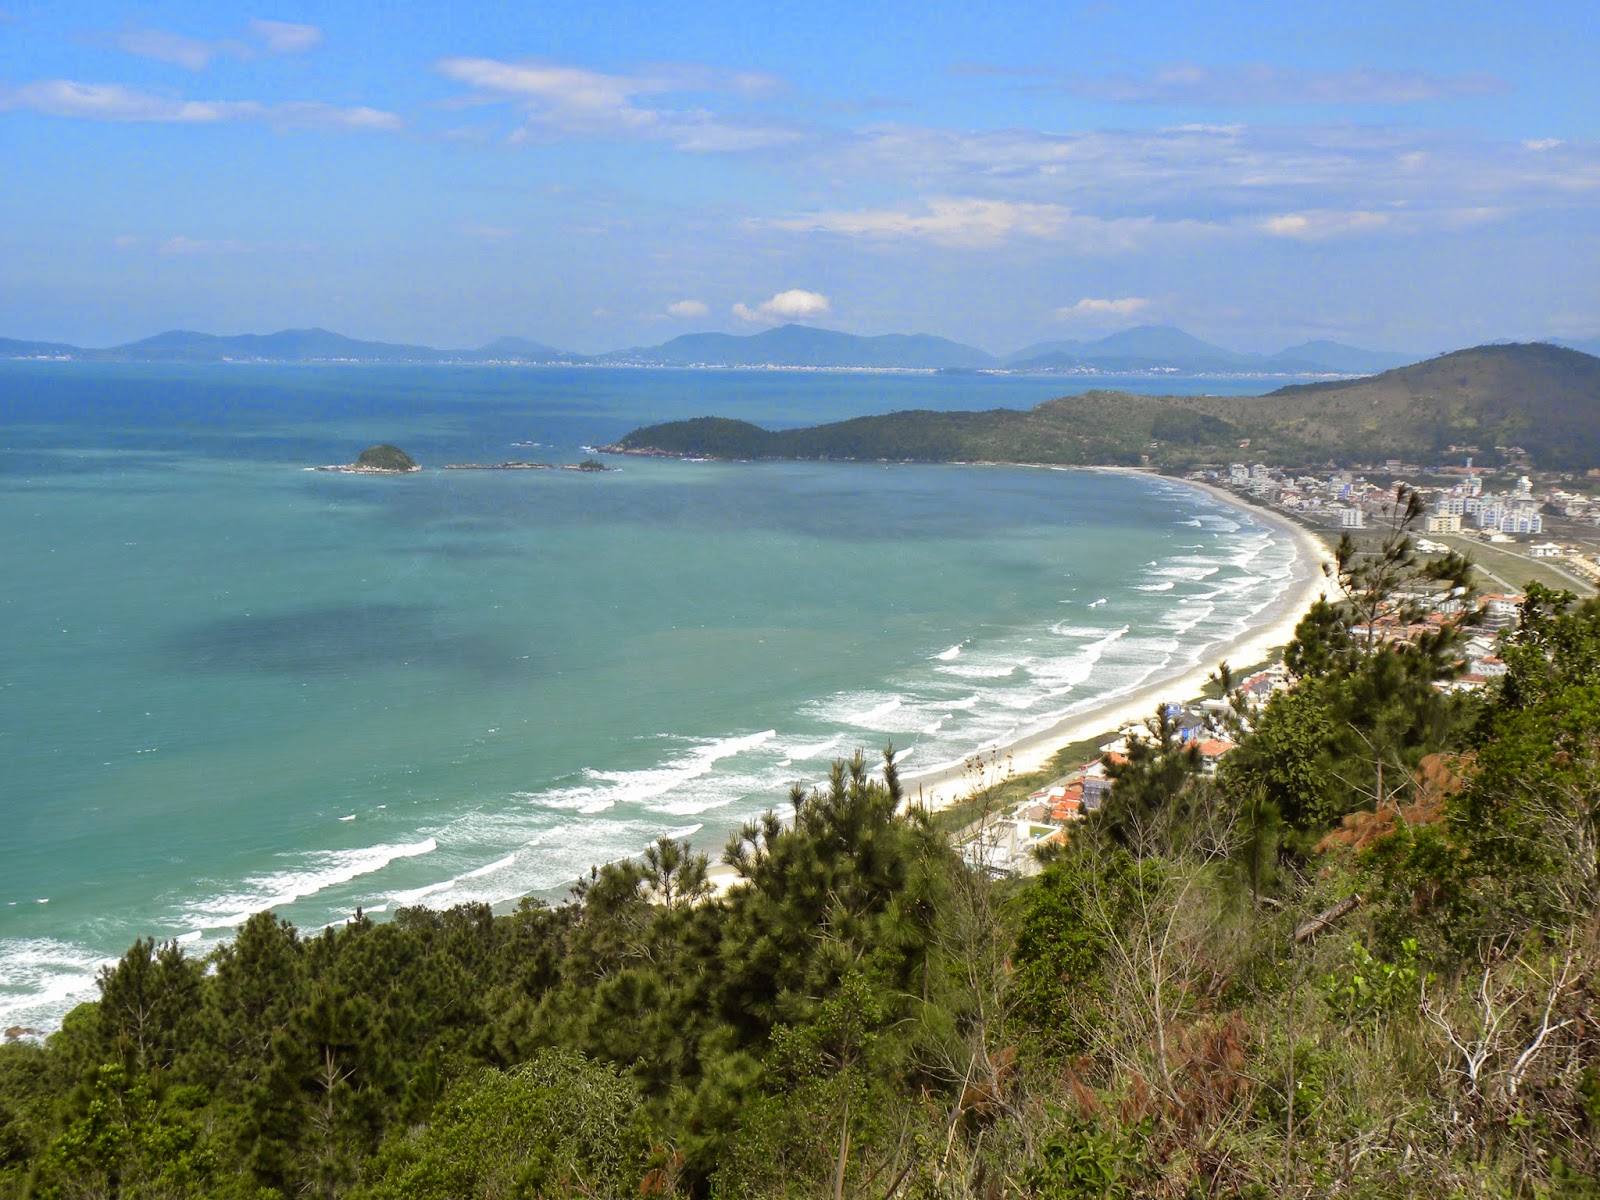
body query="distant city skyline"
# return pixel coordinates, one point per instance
(1409, 178)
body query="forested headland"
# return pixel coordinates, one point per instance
(1358, 961)
(1538, 398)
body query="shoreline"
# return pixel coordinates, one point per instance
(949, 783)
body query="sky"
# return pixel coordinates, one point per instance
(1414, 176)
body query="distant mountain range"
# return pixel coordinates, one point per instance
(1149, 348)
(1539, 398)
(803, 346)
(287, 346)
(1161, 347)
(1145, 349)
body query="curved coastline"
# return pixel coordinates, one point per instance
(948, 783)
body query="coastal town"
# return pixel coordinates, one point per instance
(1553, 524)
(1469, 509)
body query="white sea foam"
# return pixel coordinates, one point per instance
(801, 751)
(1062, 674)
(873, 717)
(1183, 620)
(315, 871)
(608, 788)
(1156, 587)
(416, 895)
(947, 655)
(979, 670)
(497, 865)
(1062, 629)
(42, 979)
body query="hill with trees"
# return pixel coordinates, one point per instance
(1541, 398)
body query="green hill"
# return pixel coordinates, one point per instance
(1542, 398)
(385, 457)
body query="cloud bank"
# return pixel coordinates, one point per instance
(114, 102)
(566, 102)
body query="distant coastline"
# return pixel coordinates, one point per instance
(1142, 351)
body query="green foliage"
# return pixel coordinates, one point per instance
(560, 1125)
(1364, 989)
(133, 1142)
(1152, 799)
(1290, 760)
(1083, 1161)
(1519, 852)
(859, 1015)
(1066, 923)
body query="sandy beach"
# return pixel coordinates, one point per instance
(940, 786)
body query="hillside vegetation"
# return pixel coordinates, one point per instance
(1542, 398)
(865, 1015)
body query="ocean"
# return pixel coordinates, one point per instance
(228, 684)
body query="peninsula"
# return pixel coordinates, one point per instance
(1508, 401)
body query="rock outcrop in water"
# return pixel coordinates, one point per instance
(382, 459)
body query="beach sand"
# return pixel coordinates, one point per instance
(942, 786)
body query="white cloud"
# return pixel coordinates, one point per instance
(1252, 84)
(687, 309)
(796, 304)
(181, 246)
(283, 37)
(125, 241)
(1317, 225)
(1543, 143)
(167, 47)
(958, 222)
(1092, 308)
(1320, 224)
(1228, 177)
(270, 37)
(561, 101)
(966, 223)
(114, 102)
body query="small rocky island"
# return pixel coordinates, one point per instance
(382, 459)
(588, 464)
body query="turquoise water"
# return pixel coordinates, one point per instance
(230, 684)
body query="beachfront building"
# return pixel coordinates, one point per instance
(1354, 517)
(1500, 611)
(1211, 752)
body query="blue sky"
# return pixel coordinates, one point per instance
(1415, 176)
